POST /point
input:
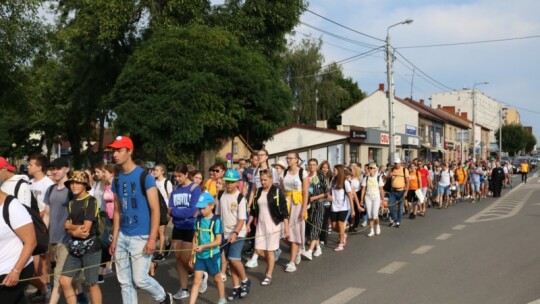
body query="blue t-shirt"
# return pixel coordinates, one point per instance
(135, 214)
(182, 204)
(204, 237)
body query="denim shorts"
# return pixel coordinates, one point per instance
(74, 263)
(475, 187)
(233, 251)
(211, 265)
(443, 190)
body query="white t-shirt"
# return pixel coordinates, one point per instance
(165, 188)
(12, 246)
(294, 182)
(372, 186)
(257, 177)
(340, 199)
(445, 177)
(24, 196)
(355, 184)
(39, 188)
(230, 212)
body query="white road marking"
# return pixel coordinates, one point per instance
(535, 302)
(422, 249)
(344, 296)
(505, 207)
(444, 236)
(459, 227)
(537, 204)
(393, 267)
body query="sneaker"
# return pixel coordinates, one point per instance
(204, 283)
(181, 294)
(397, 225)
(364, 224)
(100, 279)
(38, 297)
(235, 294)
(222, 301)
(158, 257)
(371, 233)
(317, 252)
(377, 230)
(321, 244)
(298, 259)
(252, 263)
(277, 254)
(308, 254)
(290, 267)
(391, 224)
(168, 247)
(244, 289)
(168, 299)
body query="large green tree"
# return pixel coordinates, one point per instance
(516, 139)
(194, 86)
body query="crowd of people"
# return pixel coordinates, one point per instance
(112, 218)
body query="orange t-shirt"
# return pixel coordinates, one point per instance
(414, 181)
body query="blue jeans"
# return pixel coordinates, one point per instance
(132, 269)
(396, 196)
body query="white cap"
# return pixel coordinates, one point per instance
(397, 160)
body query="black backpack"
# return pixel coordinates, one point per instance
(33, 201)
(238, 199)
(42, 232)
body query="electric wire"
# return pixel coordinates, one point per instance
(343, 26)
(425, 74)
(367, 45)
(468, 43)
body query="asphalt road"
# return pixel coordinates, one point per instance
(486, 252)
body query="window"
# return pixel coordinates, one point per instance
(235, 148)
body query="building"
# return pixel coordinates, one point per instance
(234, 150)
(511, 116)
(488, 111)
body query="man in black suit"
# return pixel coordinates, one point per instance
(497, 178)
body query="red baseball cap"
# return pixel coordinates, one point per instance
(121, 142)
(5, 165)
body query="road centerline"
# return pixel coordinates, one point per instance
(344, 296)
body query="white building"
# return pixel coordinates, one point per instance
(488, 111)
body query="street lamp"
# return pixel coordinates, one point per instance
(500, 130)
(391, 91)
(474, 117)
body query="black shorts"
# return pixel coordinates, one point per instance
(183, 235)
(339, 216)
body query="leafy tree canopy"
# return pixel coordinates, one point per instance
(192, 87)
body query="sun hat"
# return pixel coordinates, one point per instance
(79, 177)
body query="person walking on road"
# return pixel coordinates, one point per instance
(371, 197)
(135, 226)
(400, 187)
(524, 168)
(497, 178)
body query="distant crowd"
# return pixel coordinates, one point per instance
(64, 230)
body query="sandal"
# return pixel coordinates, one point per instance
(223, 277)
(267, 281)
(339, 248)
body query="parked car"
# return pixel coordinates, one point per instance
(532, 162)
(506, 159)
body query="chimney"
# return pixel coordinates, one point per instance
(421, 101)
(464, 115)
(381, 87)
(450, 109)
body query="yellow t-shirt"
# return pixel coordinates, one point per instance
(524, 167)
(398, 179)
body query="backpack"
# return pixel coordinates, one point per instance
(238, 199)
(33, 200)
(211, 229)
(388, 183)
(41, 230)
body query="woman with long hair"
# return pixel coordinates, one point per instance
(295, 183)
(182, 208)
(326, 171)
(317, 197)
(109, 173)
(342, 203)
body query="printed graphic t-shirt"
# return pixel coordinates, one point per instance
(135, 213)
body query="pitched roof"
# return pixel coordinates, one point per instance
(311, 128)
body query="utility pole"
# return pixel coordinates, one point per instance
(474, 117)
(389, 59)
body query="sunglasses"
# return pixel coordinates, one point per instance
(214, 170)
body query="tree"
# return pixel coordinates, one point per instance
(192, 87)
(320, 93)
(516, 139)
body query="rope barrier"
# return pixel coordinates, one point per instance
(185, 250)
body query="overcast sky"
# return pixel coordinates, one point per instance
(510, 67)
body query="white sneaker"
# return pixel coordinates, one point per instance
(377, 230)
(290, 267)
(204, 283)
(277, 254)
(252, 263)
(318, 251)
(308, 254)
(364, 224)
(181, 294)
(298, 259)
(371, 233)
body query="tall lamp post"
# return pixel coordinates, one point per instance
(474, 117)
(500, 131)
(391, 130)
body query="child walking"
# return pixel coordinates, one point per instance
(205, 257)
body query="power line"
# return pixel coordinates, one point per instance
(367, 45)
(423, 73)
(421, 76)
(466, 43)
(326, 42)
(343, 26)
